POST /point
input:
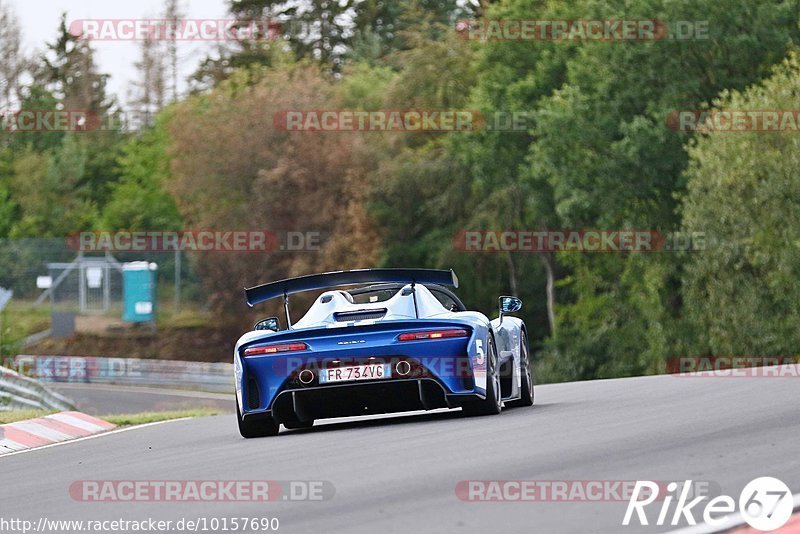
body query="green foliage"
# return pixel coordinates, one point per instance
(743, 192)
(382, 27)
(37, 98)
(7, 209)
(313, 30)
(53, 183)
(364, 86)
(49, 192)
(139, 200)
(599, 155)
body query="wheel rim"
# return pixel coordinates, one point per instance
(527, 364)
(529, 378)
(495, 378)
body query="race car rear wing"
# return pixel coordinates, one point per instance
(284, 288)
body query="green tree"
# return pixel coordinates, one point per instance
(7, 209)
(70, 73)
(315, 29)
(741, 294)
(140, 200)
(47, 189)
(381, 27)
(598, 155)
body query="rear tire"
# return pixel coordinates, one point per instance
(256, 426)
(493, 403)
(526, 390)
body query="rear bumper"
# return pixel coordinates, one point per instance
(362, 398)
(429, 383)
(266, 378)
(441, 372)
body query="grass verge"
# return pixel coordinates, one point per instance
(127, 419)
(21, 415)
(154, 417)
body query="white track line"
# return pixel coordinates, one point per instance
(728, 522)
(93, 436)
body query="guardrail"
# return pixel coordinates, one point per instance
(36, 338)
(200, 376)
(19, 392)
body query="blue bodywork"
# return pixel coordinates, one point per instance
(445, 372)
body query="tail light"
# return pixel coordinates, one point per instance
(433, 334)
(274, 349)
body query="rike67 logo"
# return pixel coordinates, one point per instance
(765, 504)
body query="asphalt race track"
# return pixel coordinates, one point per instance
(399, 473)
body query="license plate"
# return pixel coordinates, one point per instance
(370, 371)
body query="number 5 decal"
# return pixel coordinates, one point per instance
(479, 350)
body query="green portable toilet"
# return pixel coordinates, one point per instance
(139, 291)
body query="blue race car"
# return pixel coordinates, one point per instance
(396, 340)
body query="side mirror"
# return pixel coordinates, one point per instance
(509, 305)
(270, 323)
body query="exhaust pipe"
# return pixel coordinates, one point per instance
(306, 376)
(403, 368)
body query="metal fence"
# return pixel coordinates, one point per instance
(90, 282)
